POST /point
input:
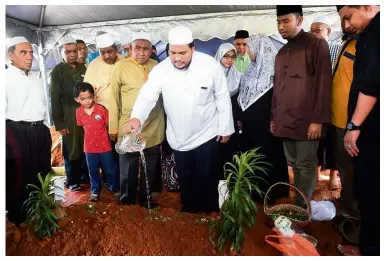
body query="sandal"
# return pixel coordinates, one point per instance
(348, 227)
(94, 198)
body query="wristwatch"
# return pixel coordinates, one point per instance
(352, 127)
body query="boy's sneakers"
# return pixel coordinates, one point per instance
(94, 198)
(75, 187)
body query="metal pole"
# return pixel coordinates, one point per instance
(43, 70)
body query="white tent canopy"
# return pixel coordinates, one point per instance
(82, 22)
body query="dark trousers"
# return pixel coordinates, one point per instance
(129, 171)
(367, 193)
(158, 183)
(325, 152)
(76, 170)
(197, 171)
(344, 164)
(302, 156)
(28, 152)
(108, 164)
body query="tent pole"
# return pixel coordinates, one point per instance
(43, 71)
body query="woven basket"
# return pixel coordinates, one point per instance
(289, 207)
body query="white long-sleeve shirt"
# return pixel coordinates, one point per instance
(24, 98)
(196, 101)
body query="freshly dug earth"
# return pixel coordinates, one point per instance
(107, 228)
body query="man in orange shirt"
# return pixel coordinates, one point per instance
(341, 84)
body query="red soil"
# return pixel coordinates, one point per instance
(111, 229)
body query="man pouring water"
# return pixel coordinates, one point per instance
(199, 115)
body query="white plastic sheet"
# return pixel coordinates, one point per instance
(323, 210)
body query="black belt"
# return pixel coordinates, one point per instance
(29, 123)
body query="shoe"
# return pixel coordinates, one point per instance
(75, 187)
(117, 194)
(94, 198)
(145, 205)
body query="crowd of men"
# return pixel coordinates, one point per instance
(309, 99)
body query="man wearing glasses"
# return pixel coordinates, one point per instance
(322, 27)
(244, 56)
(82, 52)
(325, 154)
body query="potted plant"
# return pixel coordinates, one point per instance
(238, 210)
(43, 212)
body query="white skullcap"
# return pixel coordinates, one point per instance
(104, 40)
(180, 35)
(125, 39)
(66, 40)
(321, 19)
(16, 40)
(141, 36)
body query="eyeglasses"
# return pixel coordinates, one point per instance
(229, 57)
(317, 30)
(82, 49)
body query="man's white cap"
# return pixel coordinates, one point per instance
(125, 39)
(66, 40)
(141, 36)
(321, 19)
(16, 40)
(104, 40)
(180, 35)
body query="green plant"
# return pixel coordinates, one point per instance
(41, 206)
(238, 210)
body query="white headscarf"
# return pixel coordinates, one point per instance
(258, 79)
(232, 74)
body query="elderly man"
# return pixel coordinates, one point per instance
(301, 101)
(64, 77)
(128, 78)
(325, 154)
(82, 51)
(28, 139)
(322, 27)
(244, 55)
(99, 71)
(125, 42)
(199, 114)
(362, 139)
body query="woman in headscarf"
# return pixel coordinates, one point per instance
(255, 97)
(226, 55)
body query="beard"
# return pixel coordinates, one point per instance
(185, 67)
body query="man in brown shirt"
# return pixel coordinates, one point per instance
(301, 101)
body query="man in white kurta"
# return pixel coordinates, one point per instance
(28, 139)
(199, 115)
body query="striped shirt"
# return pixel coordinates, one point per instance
(334, 50)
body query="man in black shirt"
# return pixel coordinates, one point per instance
(362, 139)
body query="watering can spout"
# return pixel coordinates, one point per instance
(131, 143)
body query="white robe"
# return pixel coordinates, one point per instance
(196, 101)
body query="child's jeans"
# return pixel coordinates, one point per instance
(108, 164)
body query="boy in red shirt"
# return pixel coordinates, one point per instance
(97, 146)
